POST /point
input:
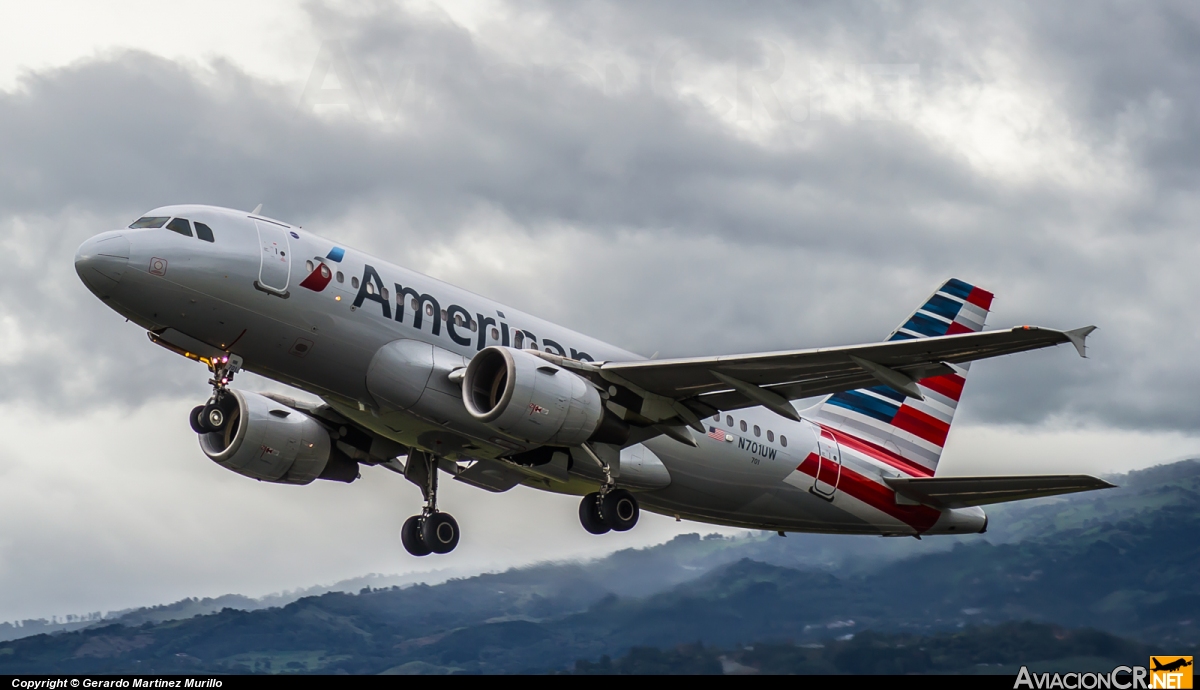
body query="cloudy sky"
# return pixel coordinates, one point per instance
(672, 177)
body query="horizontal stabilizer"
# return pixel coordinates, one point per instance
(960, 492)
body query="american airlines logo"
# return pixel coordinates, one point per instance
(424, 306)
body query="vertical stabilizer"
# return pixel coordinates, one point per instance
(913, 429)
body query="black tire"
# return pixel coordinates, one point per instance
(589, 515)
(410, 536)
(196, 419)
(620, 510)
(215, 417)
(440, 532)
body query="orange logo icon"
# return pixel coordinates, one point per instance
(1171, 672)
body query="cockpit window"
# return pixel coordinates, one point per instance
(204, 232)
(149, 222)
(181, 226)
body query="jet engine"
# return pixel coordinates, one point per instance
(528, 398)
(271, 442)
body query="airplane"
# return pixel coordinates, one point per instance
(1180, 663)
(424, 378)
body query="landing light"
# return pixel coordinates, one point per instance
(338, 298)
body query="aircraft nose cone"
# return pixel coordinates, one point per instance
(101, 261)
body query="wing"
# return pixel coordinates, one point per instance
(357, 442)
(656, 390)
(367, 447)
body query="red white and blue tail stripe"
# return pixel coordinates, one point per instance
(915, 430)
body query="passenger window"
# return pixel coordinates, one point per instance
(519, 340)
(204, 232)
(729, 420)
(495, 334)
(149, 222)
(340, 278)
(742, 424)
(458, 320)
(783, 441)
(354, 283)
(444, 317)
(770, 436)
(308, 267)
(370, 288)
(757, 431)
(385, 295)
(416, 306)
(717, 417)
(181, 226)
(474, 325)
(428, 310)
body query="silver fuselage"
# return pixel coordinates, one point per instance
(226, 295)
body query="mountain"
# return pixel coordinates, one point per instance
(998, 650)
(1122, 562)
(193, 606)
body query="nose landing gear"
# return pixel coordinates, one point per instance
(216, 413)
(431, 531)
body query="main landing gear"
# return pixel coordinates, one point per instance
(215, 414)
(615, 510)
(609, 508)
(431, 531)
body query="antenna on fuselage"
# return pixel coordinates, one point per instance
(257, 210)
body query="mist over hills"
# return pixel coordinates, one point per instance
(1121, 561)
(196, 606)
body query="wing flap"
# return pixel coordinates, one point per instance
(961, 492)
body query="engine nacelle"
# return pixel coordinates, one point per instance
(528, 398)
(271, 442)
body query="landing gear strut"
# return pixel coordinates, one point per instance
(431, 531)
(216, 413)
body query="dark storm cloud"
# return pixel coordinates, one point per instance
(757, 232)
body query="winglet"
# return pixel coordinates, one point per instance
(1078, 337)
(257, 210)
